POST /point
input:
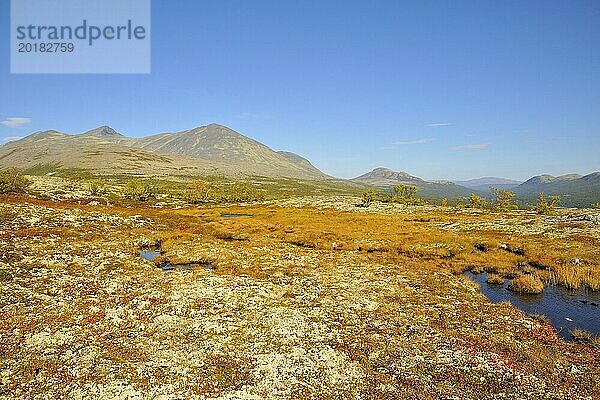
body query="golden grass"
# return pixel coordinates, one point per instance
(526, 284)
(495, 279)
(541, 318)
(581, 335)
(574, 276)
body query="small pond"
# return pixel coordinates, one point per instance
(567, 309)
(150, 255)
(166, 265)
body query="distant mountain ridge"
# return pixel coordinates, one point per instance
(103, 131)
(484, 184)
(542, 179)
(388, 178)
(384, 176)
(217, 150)
(209, 149)
(575, 190)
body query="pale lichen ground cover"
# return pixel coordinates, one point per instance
(292, 310)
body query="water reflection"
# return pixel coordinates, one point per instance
(566, 309)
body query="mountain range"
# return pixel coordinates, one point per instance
(484, 184)
(212, 149)
(575, 190)
(218, 150)
(386, 178)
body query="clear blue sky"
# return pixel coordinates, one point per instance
(440, 89)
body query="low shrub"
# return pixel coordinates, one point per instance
(136, 189)
(403, 194)
(478, 202)
(369, 197)
(546, 205)
(96, 187)
(201, 191)
(13, 181)
(7, 214)
(504, 200)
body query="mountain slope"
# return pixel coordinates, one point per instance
(547, 179)
(108, 134)
(575, 190)
(484, 184)
(387, 178)
(211, 149)
(94, 153)
(218, 143)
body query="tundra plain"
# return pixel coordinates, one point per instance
(300, 297)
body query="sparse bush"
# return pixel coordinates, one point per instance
(13, 181)
(530, 284)
(241, 192)
(96, 187)
(405, 191)
(200, 191)
(546, 205)
(504, 200)
(597, 205)
(369, 197)
(477, 202)
(405, 194)
(136, 189)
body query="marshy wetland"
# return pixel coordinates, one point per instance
(567, 310)
(311, 297)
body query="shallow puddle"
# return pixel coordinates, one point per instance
(567, 309)
(192, 265)
(150, 255)
(166, 265)
(236, 215)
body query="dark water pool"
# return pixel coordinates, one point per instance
(192, 265)
(236, 215)
(567, 309)
(166, 265)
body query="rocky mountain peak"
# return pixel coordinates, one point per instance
(388, 174)
(103, 131)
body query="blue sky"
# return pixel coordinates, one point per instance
(440, 89)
